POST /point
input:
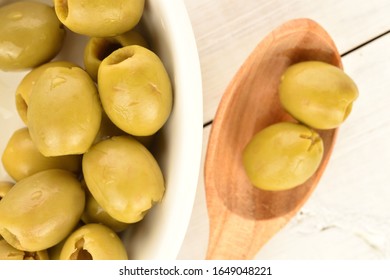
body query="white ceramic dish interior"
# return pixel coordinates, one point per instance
(167, 27)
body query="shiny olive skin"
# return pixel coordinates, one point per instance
(94, 213)
(24, 89)
(99, 18)
(99, 48)
(317, 94)
(41, 210)
(123, 177)
(30, 34)
(4, 188)
(282, 156)
(135, 90)
(21, 158)
(64, 112)
(7, 252)
(93, 242)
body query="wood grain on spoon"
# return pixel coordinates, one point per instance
(242, 217)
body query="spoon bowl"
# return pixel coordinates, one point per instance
(243, 218)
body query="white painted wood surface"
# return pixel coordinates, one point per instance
(348, 216)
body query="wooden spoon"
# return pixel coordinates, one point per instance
(242, 217)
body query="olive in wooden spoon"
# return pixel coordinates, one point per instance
(243, 218)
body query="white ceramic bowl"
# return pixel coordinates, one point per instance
(167, 27)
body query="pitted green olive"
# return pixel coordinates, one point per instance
(282, 156)
(123, 177)
(135, 90)
(93, 242)
(64, 112)
(94, 213)
(4, 188)
(99, 48)
(7, 252)
(317, 94)
(30, 34)
(22, 159)
(41, 210)
(99, 18)
(24, 88)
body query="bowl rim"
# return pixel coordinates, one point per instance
(185, 67)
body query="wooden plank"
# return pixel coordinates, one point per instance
(227, 31)
(348, 216)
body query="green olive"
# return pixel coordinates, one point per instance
(22, 159)
(24, 88)
(93, 242)
(7, 252)
(99, 18)
(123, 177)
(99, 48)
(135, 90)
(94, 213)
(282, 156)
(4, 188)
(41, 210)
(30, 34)
(64, 112)
(317, 94)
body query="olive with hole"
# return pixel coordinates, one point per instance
(93, 242)
(64, 112)
(318, 94)
(24, 89)
(30, 35)
(282, 156)
(135, 90)
(99, 48)
(99, 18)
(41, 210)
(22, 159)
(123, 177)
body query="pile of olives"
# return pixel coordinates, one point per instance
(284, 155)
(82, 166)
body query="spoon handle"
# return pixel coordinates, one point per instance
(236, 238)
